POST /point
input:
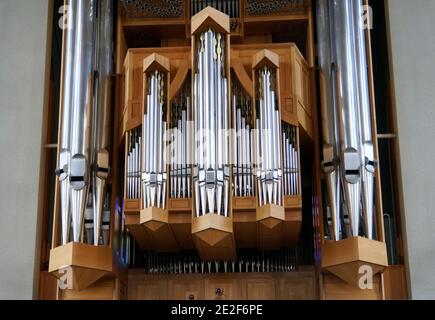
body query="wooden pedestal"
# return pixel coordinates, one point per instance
(346, 257)
(79, 265)
(214, 237)
(269, 226)
(156, 224)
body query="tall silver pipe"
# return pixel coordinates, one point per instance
(367, 149)
(329, 115)
(102, 111)
(226, 143)
(81, 112)
(63, 170)
(234, 146)
(196, 117)
(344, 31)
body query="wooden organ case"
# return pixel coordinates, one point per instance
(236, 230)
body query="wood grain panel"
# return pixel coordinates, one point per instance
(147, 288)
(336, 289)
(395, 283)
(243, 286)
(47, 286)
(103, 289)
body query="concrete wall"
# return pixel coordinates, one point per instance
(412, 39)
(23, 47)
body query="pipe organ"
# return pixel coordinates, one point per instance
(201, 157)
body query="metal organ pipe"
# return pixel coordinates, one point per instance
(348, 147)
(367, 149)
(81, 112)
(331, 151)
(102, 105)
(65, 142)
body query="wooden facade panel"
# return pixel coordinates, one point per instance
(103, 289)
(48, 286)
(395, 283)
(236, 286)
(336, 289)
(140, 288)
(230, 287)
(182, 289)
(297, 288)
(259, 289)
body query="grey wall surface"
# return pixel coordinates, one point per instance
(23, 46)
(412, 38)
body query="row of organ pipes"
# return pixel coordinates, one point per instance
(290, 160)
(154, 177)
(211, 177)
(181, 137)
(83, 163)
(348, 151)
(268, 139)
(133, 183)
(284, 260)
(243, 148)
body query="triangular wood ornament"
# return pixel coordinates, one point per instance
(265, 57)
(210, 18)
(270, 223)
(83, 278)
(270, 211)
(156, 61)
(154, 218)
(354, 272)
(153, 225)
(212, 237)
